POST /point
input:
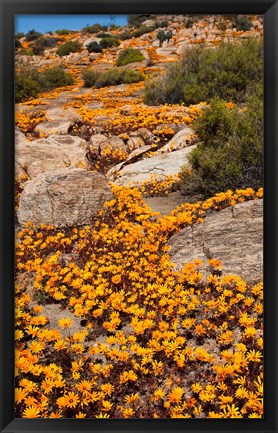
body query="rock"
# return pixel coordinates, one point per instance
(58, 121)
(48, 154)
(234, 236)
(64, 197)
(99, 142)
(183, 138)
(137, 153)
(159, 166)
(69, 114)
(134, 143)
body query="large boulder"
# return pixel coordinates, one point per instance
(159, 166)
(65, 197)
(58, 121)
(233, 235)
(99, 143)
(47, 154)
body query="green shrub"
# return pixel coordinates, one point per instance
(42, 43)
(105, 35)
(232, 72)
(62, 32)
(32, 35)
(17, 43)
(26, 52)
(161, 24)
(230, 154)
(112, 77)
(69, 47)
(109, 42)
(164, 36)
(242, 23)
(54, 77)
(94, 47)
(129, 55)
(19, 35)
(124, 36)
(114, 27)
(142, 31)
(26, 87)
(136, 20)
(189, 23)
(94, 28)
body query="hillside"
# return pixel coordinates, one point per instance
(139, 211)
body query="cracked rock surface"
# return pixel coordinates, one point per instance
(233, 235)
(64, 197)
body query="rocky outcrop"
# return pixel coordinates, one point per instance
(159, 166)
(183, 138)
(57, 151)
(99, 143)
(234, 236)
(65, 197)
(58, 121)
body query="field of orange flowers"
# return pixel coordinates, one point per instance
(144, 326)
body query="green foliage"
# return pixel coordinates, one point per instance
(242, 23)
(19, 35)
(29, 82)
(109, 42)
(112, 77)
(54, 77)
(230, 152)
(94, 47)
(17, 43)
(232, 72)
(94, 28)
(26, 87)
(69, 47)
(164, 36)
(114, 27)
(135, 20)
(62, 32)
(129, 55)
(124, 36)
(105, 35)
(161, 24)
(42, 43)
(32, 35)
(189, 23)
(26, 52)
(142, 31)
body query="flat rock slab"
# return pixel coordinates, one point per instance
(159, 166)
(47, 154)
(233, 235)
(65, 197)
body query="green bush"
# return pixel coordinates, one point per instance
(17, 43)
(230, 154)
(112, 77)
(136, 20)
(124, 36)
(42, 43)
(164, 36)
(54, 77)
(129, 55)
(161, 24)
(94, 47)
(26, 87)
(242, 23)
(109, 42)
(26, 52)
(69, 47)
(142, 31)
(94, 28)
(105, 35)
(189, 23)
(62, 32)
(29, 83)
(19, 35)
(232, 72)
(32, 35)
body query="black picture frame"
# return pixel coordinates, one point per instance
(8, 9)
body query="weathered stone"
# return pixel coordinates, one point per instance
(234, 236)
(183, 138)
(99, 142)
(159, 166)
(134, 143)
(65, 197)
(48, 154)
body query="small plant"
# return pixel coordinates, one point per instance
(94, 47)
(55, 77)
(189, 23)
(161, 24)
(112, 77)
(62, 32)
(136, 20)
(242, 23)
(124, 36)
(142, 31)
(32, 35)
(26, 86)
(164, 36)
(69, 47)
(17, 43)
(94, 28)
(129, 55)
(109, 42)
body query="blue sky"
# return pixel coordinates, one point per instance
(45, 23)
